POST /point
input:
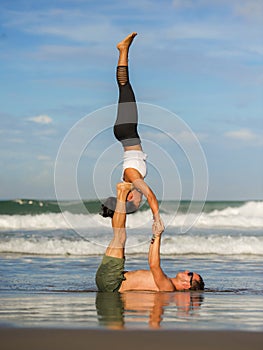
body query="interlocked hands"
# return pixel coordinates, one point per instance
(157, 226)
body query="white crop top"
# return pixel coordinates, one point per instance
(136, 160)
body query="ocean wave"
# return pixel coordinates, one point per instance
(171, 245)
(247, 216)
(51, 221)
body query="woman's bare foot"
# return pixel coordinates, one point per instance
(126, 42)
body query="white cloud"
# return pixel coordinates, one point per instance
(242, 134)
(80, 32)
(43, 157)
(74, 25)
(41, 119)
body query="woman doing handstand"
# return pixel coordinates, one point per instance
(125, 131)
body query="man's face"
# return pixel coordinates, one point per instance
(135, 197)
(186, 278)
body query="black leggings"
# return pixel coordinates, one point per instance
(125, 127)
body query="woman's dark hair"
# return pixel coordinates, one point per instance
(109, 205)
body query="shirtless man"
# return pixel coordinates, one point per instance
(111, 276)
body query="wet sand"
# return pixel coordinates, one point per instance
(68, 339)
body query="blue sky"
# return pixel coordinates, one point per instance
(202, 60)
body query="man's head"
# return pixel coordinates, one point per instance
(188, 281)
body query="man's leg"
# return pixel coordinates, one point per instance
(110, 275)
(117, 244)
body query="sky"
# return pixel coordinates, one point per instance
(201, 61)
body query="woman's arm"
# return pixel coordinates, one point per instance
(142, 186)
(132, 175)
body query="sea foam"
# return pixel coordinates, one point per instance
(247, 216)
(172, 244)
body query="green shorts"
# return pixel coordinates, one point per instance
(110, 309)
(110, 274)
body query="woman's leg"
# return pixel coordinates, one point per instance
(125, 128)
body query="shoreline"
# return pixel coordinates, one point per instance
(68, 339)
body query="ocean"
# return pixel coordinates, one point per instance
(49, 254)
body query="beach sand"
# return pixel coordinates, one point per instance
(68, 339)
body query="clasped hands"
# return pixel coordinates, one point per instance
(157, 226)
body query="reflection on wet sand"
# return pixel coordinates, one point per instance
(115, 310)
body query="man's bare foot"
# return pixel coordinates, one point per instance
(123, 189)
(125, 186)
(126, 42)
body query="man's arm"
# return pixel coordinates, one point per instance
(161, 280)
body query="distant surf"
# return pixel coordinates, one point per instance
(172, 244)
(33, 215)
(223, 228)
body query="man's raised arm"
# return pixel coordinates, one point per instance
(161, 280)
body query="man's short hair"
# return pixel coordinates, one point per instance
(198, 285)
